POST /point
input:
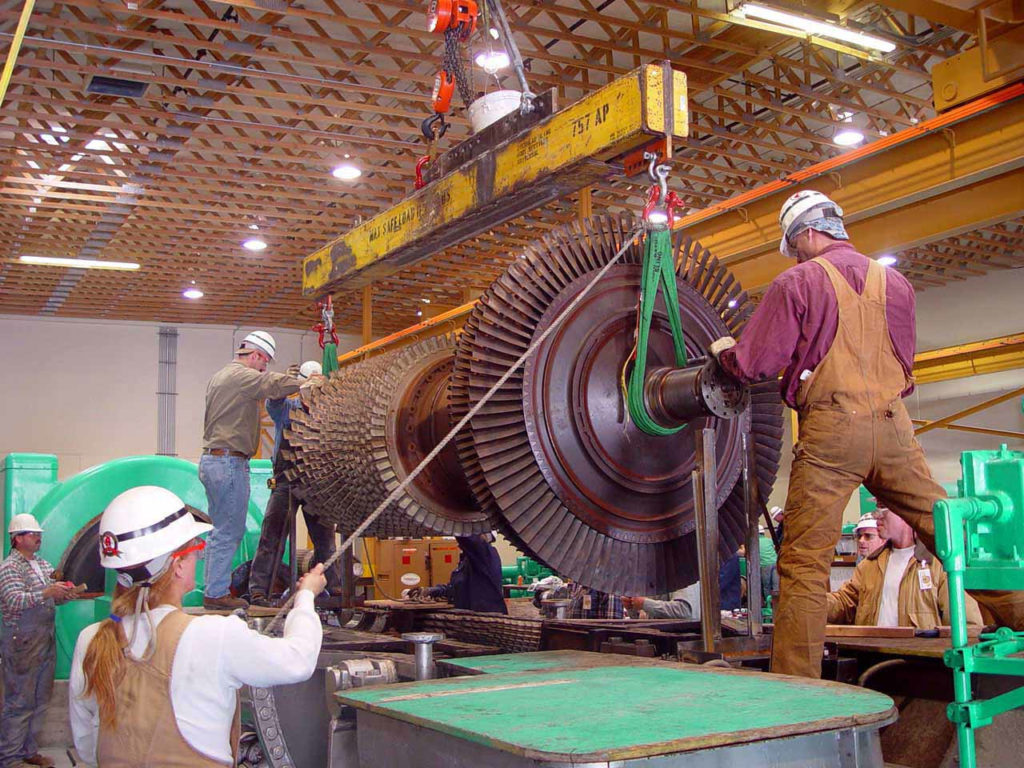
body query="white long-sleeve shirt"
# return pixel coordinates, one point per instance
(216, 656)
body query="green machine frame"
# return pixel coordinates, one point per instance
(980, 540)
(69, 513)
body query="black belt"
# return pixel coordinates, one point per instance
(224, 452)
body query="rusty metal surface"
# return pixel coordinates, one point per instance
(553, 457)
(367, 428)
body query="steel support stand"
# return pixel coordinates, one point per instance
(705, 506)
(751, 503)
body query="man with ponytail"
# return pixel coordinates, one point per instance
(153, 686)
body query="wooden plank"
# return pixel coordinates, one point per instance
(854, 630)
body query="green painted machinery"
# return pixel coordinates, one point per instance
(526, 571)
(979, 537)
(69, 513)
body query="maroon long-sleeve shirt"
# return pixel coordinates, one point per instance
(796, 322)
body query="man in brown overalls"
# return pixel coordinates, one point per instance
(843, 329)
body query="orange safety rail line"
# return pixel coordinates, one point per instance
(937, 123)
(445, 317)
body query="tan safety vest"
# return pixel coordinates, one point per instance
(147, 733)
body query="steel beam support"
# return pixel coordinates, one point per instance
(979, 357)
(934, 186)
(572, 149)
(945, 421)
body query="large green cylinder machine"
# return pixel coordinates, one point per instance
(69, 513)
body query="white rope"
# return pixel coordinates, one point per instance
(465, 419)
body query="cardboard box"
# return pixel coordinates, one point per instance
(393, 559)
(444, 557)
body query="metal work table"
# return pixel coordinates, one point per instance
(573, 708)
(924, 647)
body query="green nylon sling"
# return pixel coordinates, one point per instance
(658, 273)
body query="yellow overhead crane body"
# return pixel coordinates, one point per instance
(563, 153)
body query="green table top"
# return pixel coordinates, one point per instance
(587, 709)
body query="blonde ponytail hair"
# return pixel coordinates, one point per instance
(105, 658)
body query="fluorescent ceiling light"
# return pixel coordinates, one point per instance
(492, 61)
(346, 172)
(848, 137)
(887, 261)
(192, 293)
(813, 27)
(254, 244)
(55, 261)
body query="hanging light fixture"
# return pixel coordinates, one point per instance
(347, 172)
(800, 25)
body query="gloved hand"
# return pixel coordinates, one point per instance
(415, 593)
(718, 346)
(293, 371)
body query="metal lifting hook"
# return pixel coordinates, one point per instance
(661, 203)
(428, 129)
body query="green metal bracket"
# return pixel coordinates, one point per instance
(979, 536)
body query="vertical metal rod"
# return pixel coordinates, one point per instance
(706, 514)
(424, 660)
(513, 54)
(755, 597)
(293, 549)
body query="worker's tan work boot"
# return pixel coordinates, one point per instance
(38, 759)
(225, 603)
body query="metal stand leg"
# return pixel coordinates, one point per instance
(293, 554)
(705, 505)
(755, 597)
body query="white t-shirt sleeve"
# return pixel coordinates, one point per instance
(254, 659)
(83, 712)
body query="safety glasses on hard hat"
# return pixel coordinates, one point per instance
(197, 545)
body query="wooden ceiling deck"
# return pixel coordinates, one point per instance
(248, 107)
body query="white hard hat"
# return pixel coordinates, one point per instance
(866, 521)
(776, 513)
(259, 340)
(24, 523)
(310, 368)
(141, 528)
(794, 211)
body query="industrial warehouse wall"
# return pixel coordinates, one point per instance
(87, 390)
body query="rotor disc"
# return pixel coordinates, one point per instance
(575, 482)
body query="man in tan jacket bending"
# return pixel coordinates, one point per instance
(899, 585)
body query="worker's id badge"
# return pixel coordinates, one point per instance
(924, 578)
(587, 601)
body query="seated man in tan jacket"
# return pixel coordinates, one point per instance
(898, 585)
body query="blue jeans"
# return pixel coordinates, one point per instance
(29, 654)
(275, 531)
(226, 480)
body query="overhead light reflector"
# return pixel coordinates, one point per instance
(192, 293)
(492, 61)
(887, 261)
(803, 25)
(254, 244)
(56, 261)
(346, 172)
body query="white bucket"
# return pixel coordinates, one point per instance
(492, 107)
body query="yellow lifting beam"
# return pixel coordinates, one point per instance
(565, 152)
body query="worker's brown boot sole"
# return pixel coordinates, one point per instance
(226, 603)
